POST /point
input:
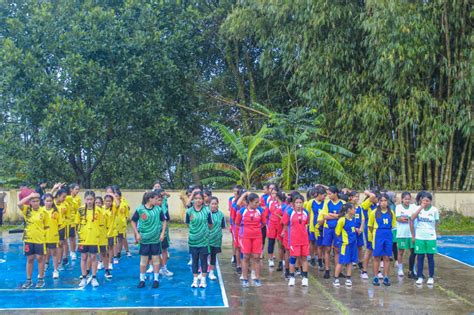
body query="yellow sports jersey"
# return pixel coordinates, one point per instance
(110, 223)
(367, 207)
(65, 218)
(308, 206)
(103, 241)
(386, 221)
(89, 225)
(52, 229)
(366, 204)
(74, 205)
(330, 207)
(36, 222)
(122, 216)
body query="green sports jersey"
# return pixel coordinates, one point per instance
(150, 223)
(167, 217)
(198, 222)
(215, 235)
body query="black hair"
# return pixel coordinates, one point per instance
(116, 190)
(108, 196)
(49, 195)
(353, 193)
(424, 194)
(159, 191)
(281, 195)
(239, 187)
(404, 194)
(310, 193)
(61, 191)
(344, 197)
(200, 193)
(87, 194)
(333, 189)
(207, 192)
(251, 197)
(295, 197)
(42, 181)
(157, 182)
(345, 208)
(74, 185)
(215, 198)
(100, 198)
(147, 196)
(320, 190)
(378, 212)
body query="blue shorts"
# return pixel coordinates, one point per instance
(360, 240)
(368, 244)
(329, 237)
(312, 237)
(348, 253)
(382, 244)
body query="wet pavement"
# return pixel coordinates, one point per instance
(452, 293)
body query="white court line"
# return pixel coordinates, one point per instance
(221, 283)
(461, 262)
(111, 308)
(41, 289)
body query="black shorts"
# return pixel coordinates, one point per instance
(199, 250)
(103, 249)
(51, 245)
(215, 250)
(165, 244)
(72, 231)
(88, 249)
(111, 242)
(33, 249)
(120, 236)
(62, 234)
(150, 249)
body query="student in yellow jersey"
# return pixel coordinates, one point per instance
(99, 203)
(74, 203)
(89, 219)
(60, 193)
(34, 237)
(52, 232)
(123, 214)
(111, 205)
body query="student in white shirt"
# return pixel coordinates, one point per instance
(403, 213)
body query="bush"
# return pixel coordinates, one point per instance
(453, 221)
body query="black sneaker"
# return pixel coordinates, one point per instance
(341, 275)
(65, 261)
(361, 267)
(238, 270)
(312, 262)
(141, 284)
(108, 275)
(119, 254)
(40, 283)
(27, 285)
(326, 275)
(156, 284)
(280, 266)
(287, 274)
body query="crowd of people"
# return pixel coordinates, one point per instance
(328, 228)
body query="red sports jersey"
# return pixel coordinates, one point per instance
(275, 213)
(297, 222)
(251, 222)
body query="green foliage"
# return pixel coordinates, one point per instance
(453, 222)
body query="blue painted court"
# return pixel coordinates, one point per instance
(458, 247)
(120, 292)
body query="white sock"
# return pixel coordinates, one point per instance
(164, 267)
(400, 266)
(155, 276)
(142, 277)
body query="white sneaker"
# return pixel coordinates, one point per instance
(380, 275)
(211, 275)
(241, 277)
(400, 272)
(73, 256)
(203, 284)
(291, 282)
(252, 275)
(55, 274)
(381, 264)
(419, 281)
(129, 254)
(200, 276)
(430, 281)
(304, 282)
(115, 260)
(150, 269)
(336, 283)
(111, 266)
(100, 265)
(190, 262)
(364, 276)
(165, 272)
(348, 283)
(271, 263)
(94, 282)
(396, 264)
(195, 283)
(83, 283)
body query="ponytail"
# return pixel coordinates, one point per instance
(345, 208)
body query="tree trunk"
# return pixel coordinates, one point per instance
(408, 159)
(457, 183)
(449, 164)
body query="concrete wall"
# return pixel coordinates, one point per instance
(459, 201)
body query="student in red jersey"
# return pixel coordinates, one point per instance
(296, 220)
(250, 219)
(234, 208)
(236, 190)
(275, 227)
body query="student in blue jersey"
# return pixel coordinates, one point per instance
(368, 206)
(359, 226)
(215, 235)
(199, 221)
(329, 216)
(403, 213)
(316, 208)
(149, 225)
(348, 252)
(424, 235)
(381, 223)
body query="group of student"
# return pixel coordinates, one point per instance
(332, 222)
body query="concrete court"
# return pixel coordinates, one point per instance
(452, 294)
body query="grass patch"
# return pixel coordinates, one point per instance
(7, 227)
(177, 224)
(453, 222)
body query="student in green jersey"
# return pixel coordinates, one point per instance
(215, 237)
(149, 226)
(199, 221)
(166, 242)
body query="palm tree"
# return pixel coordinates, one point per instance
(251, 167)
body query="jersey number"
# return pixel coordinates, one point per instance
(385, 221)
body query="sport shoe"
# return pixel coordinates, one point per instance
(271, 263)
(55, 274)
(108, 274)
(253, 275)
(280, 266)
(380, 275)
(326, 275)
(257, 283)
(292, 282)
(156, 284)
(94, 282)
(61, 268)
(386, 281)
(27, 285)
(129, 254)
(400, 273)
(141, 284)
(241, 277)
(83, 283)
(419, 281)
(165, 272)
(336, 283)
(111, 266)
(304, 282)
(115, 260)
(364, 275)
(65, 261)
(348, 283)
(100, 265)
(320, 265)
(150, 269)
(212, 276)
(238, 269)
(73, 256)
(297, 272)
(430, 281)
(376, 281)
(190, 262)
(245, 284)
(195, 283)
(200, 276)
(312, 262)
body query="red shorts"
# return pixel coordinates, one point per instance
(299, 250)
(274, 231)
(251, 245)
(235, 235)
(285, 241)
